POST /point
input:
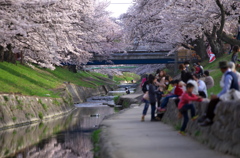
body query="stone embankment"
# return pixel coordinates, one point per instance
(17, 110)
(223, 135)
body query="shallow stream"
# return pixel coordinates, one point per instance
(68, 136)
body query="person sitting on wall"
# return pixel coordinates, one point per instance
(208, 80)
(230, 81)
(202, 88)
(178, 91)
(185, 105)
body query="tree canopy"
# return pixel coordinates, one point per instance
(51, 32)
(180, 21)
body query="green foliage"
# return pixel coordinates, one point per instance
(95, 140)
(55, 102)
(27, 115)
(127, 76)
(45, 107)
(56, 129)
(116, 98)
(197, 133)
(6, 99)
(19, 104)
(177, 127)
(14, 118)
(7, 151)
(14, 132)
(41, 124)
(17, 78)
(116, 110)
(126, 104)
(40, 115)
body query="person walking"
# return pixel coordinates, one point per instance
(208, 80)
(152, 96)
(145, 89)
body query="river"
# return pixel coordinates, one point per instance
(68, 136)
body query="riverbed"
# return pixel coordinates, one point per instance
(67, 136)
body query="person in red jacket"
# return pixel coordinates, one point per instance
(185, 105)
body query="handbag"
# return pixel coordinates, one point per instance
(146, 96)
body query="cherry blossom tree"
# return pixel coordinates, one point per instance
(180, 22)
(52, 32)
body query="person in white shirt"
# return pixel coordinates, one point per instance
(232, 66)
(202, 88)
(192, 81)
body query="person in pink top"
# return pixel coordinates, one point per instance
(185, 105)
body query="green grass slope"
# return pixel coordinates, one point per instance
(126, 77)
(42, 82)
(215, 72)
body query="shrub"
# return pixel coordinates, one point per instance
(40, 115)
(14, 118)
(6, 98)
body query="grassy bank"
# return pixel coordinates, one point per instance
(215, 72)
(95, 140)
(36, 81)
(126, 77)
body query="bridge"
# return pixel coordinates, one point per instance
(136, 57)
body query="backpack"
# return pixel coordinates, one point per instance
(145, 87)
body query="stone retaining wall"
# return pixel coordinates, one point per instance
(223, 135)
(80, 94)
(18, 110)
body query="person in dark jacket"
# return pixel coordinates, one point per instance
(230, 82)
(152, 96)
(235, 54)
(182, 68)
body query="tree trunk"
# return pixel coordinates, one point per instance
(215, 43)
(21, 56)
(200, 47)
(72, 68)
(1, 53)
(224, 37)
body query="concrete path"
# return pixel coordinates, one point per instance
(124, 136)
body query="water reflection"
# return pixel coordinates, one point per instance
(68, 136)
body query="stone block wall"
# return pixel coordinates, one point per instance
(223, 135)
(17, 110)
(80, 94)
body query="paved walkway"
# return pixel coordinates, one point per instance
(124, 136)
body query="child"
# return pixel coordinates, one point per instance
(184, 105)
(178, 91)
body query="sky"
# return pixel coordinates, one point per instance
(118, 7)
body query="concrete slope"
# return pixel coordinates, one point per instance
(124, 136)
